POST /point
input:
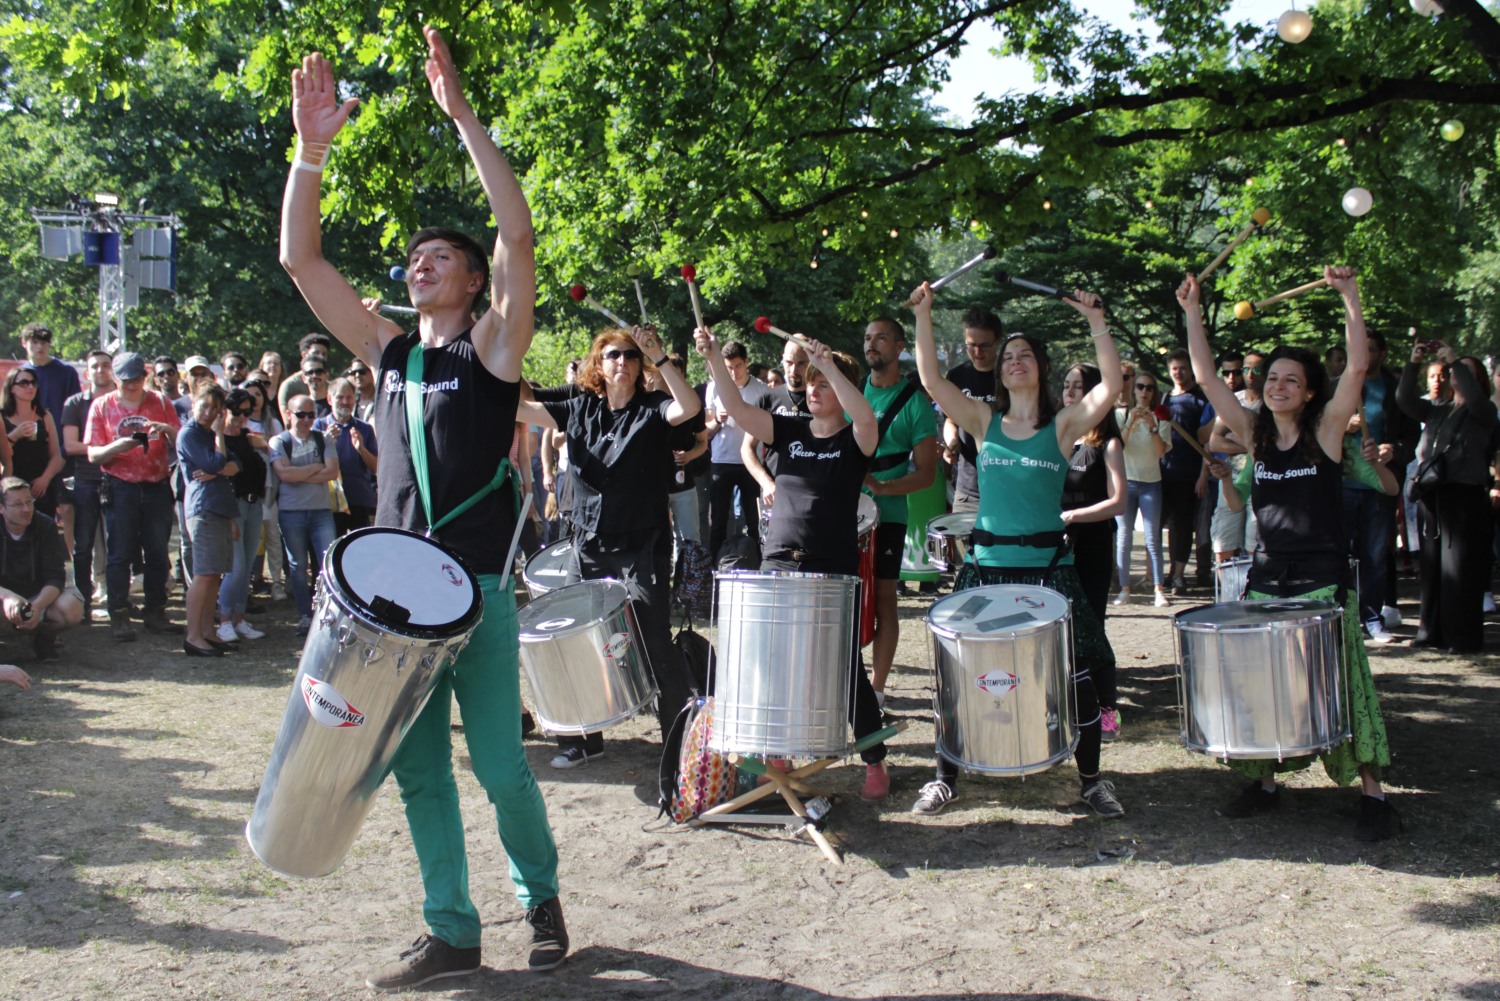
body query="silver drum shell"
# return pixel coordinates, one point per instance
(1261, 679)
(781, 670)
(949, 539)
(547, 569)
(585, 662)
(1026, 731)
(321, 780)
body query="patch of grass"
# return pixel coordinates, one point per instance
(1370, 969)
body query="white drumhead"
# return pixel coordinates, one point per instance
(960, 523)
(1254, 614)
(409, 570)
(571, 608)
(869, 514)
(998, 610)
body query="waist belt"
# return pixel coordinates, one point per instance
(1036, 540)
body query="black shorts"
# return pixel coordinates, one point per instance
(890, 543)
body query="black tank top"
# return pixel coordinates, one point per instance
(470, 417)
(1087, 482)
(1299, 505)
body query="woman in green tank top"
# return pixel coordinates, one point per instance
(1018, 536)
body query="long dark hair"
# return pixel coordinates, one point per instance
(1046, 403)
(1316, 379)
(8, 393)
(1107, 428)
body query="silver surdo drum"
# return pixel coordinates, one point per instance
(867, 515)
(949, 539)
(1232, 576)
(1003, 658)
(781, 671)
(1261, 679)
(585, 663)
(393, 609)
(547, 570)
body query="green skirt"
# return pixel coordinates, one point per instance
(1367, 746)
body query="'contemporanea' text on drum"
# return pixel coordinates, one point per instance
(1002, 656)
(394, 609)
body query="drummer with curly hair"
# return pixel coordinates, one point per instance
(620, 438)
(468, 369)
(1024, 443)
(819, 469)
(1297, 442)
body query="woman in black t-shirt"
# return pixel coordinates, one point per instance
(1296, 451)
(1093, 493)
(620, 438)
(820, 467)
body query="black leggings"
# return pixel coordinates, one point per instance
(1455, 553)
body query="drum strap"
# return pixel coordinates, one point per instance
(416, 437)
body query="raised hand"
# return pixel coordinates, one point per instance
(442, 74)
(1090, 304)
(1188, 294)
(921, 298)
(316, 111)
(646, 339)
(1342, 280)
(705, 343)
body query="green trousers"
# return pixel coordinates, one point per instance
(487, 683)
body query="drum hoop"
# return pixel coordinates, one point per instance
(947, 632)
(1329, 612)
(358, 608)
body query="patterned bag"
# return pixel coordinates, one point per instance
(705, 778)
(694, 588)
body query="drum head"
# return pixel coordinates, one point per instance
(569, 609)
(960, 523)
(869, 514)
(1254, 614)
(998, 610)
(405, 583)
(549, 567)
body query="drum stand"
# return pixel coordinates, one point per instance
(791, 787)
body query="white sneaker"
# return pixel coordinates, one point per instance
(1162, 601)
(278, 593)
(1489, 602)
(1377, 631)
(248, 631)
(1123, 598)
(226, 632)
(1391, 615)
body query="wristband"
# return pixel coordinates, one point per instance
(310, 156)
(662, 360)
(1102, 333)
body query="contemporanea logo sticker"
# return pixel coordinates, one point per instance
(616, 647)
(997, 683)
(326, 706)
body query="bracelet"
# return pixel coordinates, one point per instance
(662, 360)
(310, 156)
(1102, 333)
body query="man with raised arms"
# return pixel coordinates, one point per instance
(469, 370)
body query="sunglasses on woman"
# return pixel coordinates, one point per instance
(25, 382)
(629, 354)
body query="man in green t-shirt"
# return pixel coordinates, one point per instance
(905, 461)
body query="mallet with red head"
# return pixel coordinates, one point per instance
(690, 275)
(581, 294)
(763, 325)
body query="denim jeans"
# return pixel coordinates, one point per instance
(684, 505)
(307, 534)
(138, 520)
(1146, 498)
(86, 515)
(234, 591)
(1369, 518)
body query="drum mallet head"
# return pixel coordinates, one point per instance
(986, 254)
(398, 274)
(581, 294)
(1243, 309)
(690, 275)
(763, 325)
(1258, 218)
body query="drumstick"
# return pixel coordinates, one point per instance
(581, 294)
(690, 275)
(966, 266)
(763, 325)
(1243, 310)
(1191, 439)
(634, 271)
(1258, 218)
(386, 307)
(1032, 286)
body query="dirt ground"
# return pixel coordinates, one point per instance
(128, 771)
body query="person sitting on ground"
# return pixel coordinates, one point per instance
(34, 592)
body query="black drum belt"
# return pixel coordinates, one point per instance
(1037, 540)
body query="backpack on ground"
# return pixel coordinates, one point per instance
(705, 777)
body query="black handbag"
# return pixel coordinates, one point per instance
(1432, 471)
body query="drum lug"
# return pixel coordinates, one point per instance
(427, 662)
(372, 653)
(344, 635)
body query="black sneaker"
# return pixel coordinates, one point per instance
(1378, 820)
(1253, 800)
(549, 935)
(44, 644)
(429, 958)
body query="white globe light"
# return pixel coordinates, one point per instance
(1294, 26)
(1358, 201)
(1427, 8)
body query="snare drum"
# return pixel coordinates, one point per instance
(584, 658)
(868, 521)
(1232, 577)
(393, 609)
(1261, 679)
(782, 670)
(1003, 657)
(547, 570)
(949, 539)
